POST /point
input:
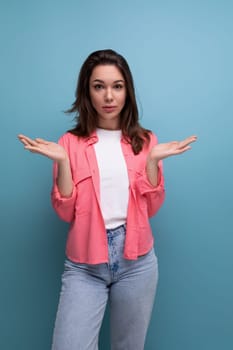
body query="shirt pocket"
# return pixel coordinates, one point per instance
(84, 188)
(81, 175)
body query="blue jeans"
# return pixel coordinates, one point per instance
(128, 285)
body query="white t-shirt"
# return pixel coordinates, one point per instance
(114, 182)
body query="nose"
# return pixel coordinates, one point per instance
(108, 95)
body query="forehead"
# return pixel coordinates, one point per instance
(106, 73)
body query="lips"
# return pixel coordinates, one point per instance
(109, 109)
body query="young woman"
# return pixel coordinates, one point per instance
(108, 182)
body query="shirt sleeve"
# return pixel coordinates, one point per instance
(64, 206)
(155, 195)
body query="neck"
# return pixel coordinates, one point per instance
(109, 125)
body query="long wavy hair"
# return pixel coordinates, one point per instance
(86, 115)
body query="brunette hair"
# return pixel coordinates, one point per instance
(86, 115)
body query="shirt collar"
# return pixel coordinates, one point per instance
(93, 138)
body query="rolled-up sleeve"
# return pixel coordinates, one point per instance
(155, 195)
(64, 206)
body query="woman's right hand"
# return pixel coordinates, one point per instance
(49, 149)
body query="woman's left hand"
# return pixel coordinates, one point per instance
(164, 150)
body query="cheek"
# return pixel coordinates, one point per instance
(95, 101)
(123, 99)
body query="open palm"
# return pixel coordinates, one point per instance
(164, 150)
(49, 149)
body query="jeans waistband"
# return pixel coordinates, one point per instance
(116, 231)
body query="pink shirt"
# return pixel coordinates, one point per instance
(87, 239)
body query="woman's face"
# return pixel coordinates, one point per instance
(108, 93)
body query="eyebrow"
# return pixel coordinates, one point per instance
(116, 81)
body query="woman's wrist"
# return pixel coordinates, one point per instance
(63, 161)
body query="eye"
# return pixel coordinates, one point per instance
(118, 86)
(98, 87)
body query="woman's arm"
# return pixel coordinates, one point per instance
(58, 154)
(151, 182)
(64, 178)
(152, 170)
(162, 151)
(63, 195)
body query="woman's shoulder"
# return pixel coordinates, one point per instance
(153, 138)
(71, 138)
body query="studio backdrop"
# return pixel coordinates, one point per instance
(180, 54)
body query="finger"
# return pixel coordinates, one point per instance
(39, 140)
(191, 138)
(41, 152)
(182, 150)
(31, 148)
(34, 149)
(187, 141)
(24, 142)
(27, 139)
(22, 138)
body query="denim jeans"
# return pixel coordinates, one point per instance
(128, 285)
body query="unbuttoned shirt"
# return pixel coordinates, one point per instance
(87, 239)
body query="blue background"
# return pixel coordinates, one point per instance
(180, 53)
